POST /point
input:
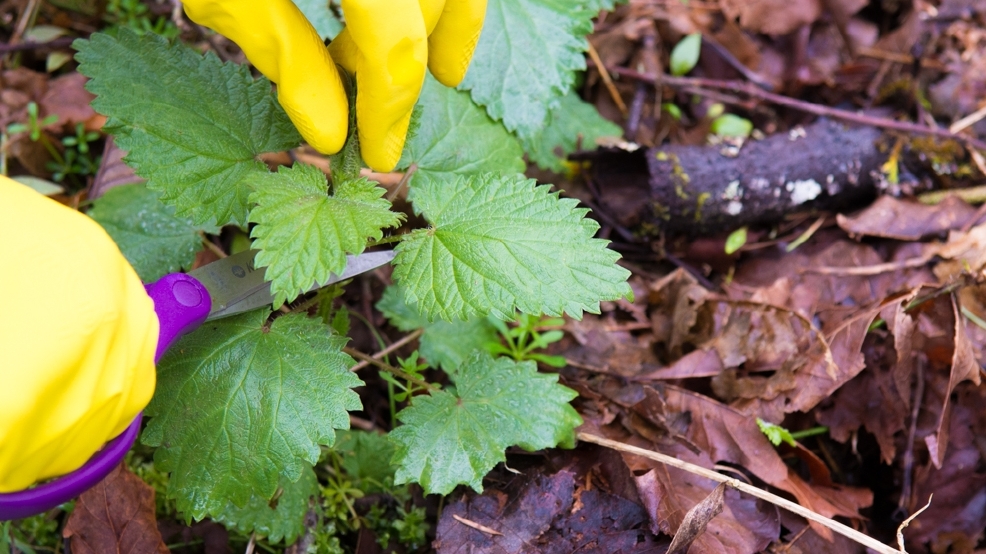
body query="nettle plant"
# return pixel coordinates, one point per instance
(245, 405)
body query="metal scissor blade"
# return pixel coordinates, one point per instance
(236, 286)
(230, 280)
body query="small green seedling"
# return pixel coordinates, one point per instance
(134, 14)
(528, 334)
(33, 126)
(777, 434)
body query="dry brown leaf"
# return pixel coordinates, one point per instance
(117, 515)
(698, 363)
(675, 302)
(696, 520)
(802, 539)
(964, 368)
(113, 171)
(67, 98)
(723, 434)
(747, 525)
(772, 17)
(543, 511)
(959, 485)
(900, 219)
(871, 400)
(964, 252)
(609, 350)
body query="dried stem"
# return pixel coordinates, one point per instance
(403, 182)
(61, 42)
(607, 80)
(212, 246)
(409, 338)
(849, 532)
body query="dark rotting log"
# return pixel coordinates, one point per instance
(704, 190)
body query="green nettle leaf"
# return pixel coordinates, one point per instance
(526, 59)
(684, 55)
(153, 240)
(572, 119)
(599, 5)
(304, 234)
(445, 344)
(193, 126)
(366, 459)
(285, 521)
(499, 243)
(455, 136)
(240, 406)
(456, 436)
(326, 24)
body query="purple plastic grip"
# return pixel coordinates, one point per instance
(182, 303)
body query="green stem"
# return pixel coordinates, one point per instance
(798, 435)
(974, 318)
(400, 373)
(386, 240)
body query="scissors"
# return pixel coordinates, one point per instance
(182, 302)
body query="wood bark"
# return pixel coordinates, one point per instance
(705, 190)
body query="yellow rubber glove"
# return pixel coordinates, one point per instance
(387, 44)
(283, 45)
(77, 339)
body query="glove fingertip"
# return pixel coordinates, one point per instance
(383, 156)
(316, 103)
(453, 41)
(447, 70)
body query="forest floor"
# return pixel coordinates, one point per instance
(812, 325)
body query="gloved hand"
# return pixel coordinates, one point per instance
(77, 339)
(386, 44)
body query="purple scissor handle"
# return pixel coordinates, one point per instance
(182, 303)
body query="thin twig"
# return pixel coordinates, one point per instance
(403, 182)
(874, 269)
(60, 42)
(900, 530)
(25, 20)
(477, 526)
(800, 105)
(734, 62)
(607, 80)
(360, 423)
(413, 336)
(743, 487)
(908, 458)
(211, 246)
(968, 121)
(388, 368)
